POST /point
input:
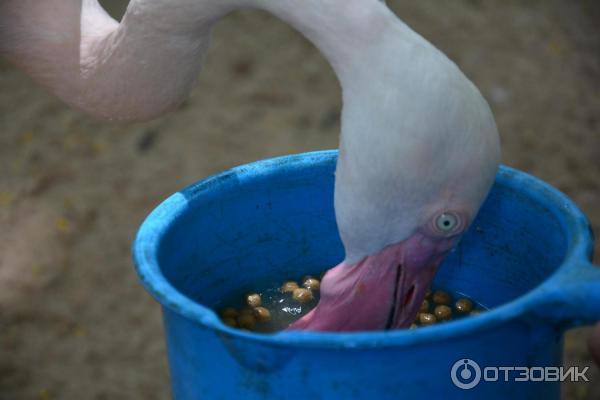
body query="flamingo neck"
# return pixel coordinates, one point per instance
(346, 32)
(147, 64)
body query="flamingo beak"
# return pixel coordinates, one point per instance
(382, 291)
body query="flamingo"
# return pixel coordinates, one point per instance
(418, 151)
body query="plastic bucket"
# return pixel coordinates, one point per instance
(526, 256)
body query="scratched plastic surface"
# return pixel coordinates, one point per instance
(526, 256)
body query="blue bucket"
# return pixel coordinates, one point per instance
(526, 256)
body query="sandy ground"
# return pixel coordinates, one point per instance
(75, 323)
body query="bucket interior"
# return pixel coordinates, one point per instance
(251, 228)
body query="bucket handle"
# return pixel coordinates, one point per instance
(573, 298)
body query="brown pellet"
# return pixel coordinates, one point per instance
(246, 311)
(441, 297)
(230, 321)
(424, 306)
(302, 295)
(427, 319)
(311, 283)
(442, 312)
(262, 314)
(229, 312)
(253, 300)
(463, 305)
(246, 321)
(289, 287)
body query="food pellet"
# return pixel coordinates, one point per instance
(289, 287)
(262, 314)
(302, 295)
(229, 312)
(427, 319)
(311, 283)
(442, 312)
(253, 300)
(463, 305)
(246, 321)
(441, 297)
(273, 309)
(246, 311)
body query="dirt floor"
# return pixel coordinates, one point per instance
(75, 323)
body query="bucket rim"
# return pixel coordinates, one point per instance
(574, 223)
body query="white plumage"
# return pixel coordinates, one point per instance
(418, 140)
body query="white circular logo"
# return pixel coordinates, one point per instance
(465, 373)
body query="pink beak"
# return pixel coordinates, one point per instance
(382, 291)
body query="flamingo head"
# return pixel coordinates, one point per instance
(418, 154)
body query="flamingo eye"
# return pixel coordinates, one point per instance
(447, 223)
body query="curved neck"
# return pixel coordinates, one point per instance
(346, 32)
(147, 64)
